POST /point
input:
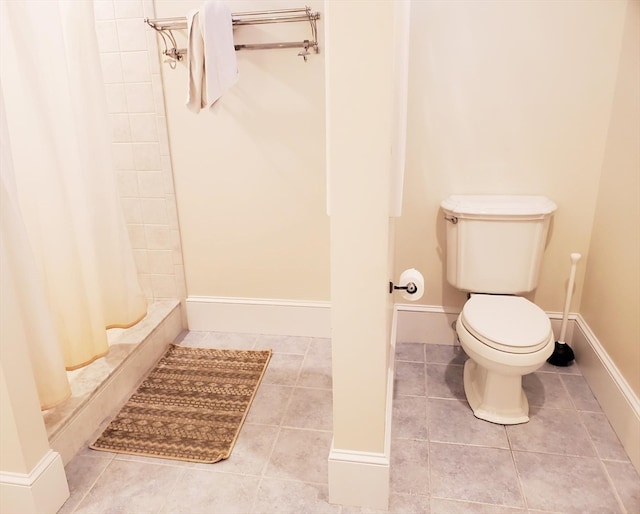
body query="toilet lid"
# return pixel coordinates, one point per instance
(509, 323)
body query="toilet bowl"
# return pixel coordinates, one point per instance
(505, 338)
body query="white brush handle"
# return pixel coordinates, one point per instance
(575, 257)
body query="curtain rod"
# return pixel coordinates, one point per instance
(165, 26)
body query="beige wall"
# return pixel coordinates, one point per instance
(611, 297)
(507, 97)
(250, 176)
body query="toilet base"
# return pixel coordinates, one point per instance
(495, 397)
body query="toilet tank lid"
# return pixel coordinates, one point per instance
(498, 205)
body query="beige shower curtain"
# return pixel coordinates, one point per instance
(73, 273)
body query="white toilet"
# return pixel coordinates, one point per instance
(494, 250)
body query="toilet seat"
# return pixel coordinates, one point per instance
(510, 324)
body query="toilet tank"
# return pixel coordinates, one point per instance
(495, 243)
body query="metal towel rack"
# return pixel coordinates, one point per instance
(165, 26)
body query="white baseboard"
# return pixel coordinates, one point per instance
(361, 479)
(44, 490)
(259, 316)
(618, 401)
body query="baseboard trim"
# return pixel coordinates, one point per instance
(259, 316)
(618, 401)
(43, 490)
(361, 479)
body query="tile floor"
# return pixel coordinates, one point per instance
(566, 459)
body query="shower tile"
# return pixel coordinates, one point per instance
(154, 211)
(146, 156)
(208, 491)
(269, 405)
(300, 455)
(158, 237)
(119, 488)
(127, 184)
(120, 130)
(128, 8)
(413, 352)
(626, 482)
(137, 237)
(132, 210)
(131, 34)
(552, 431)
(111, 68)
(103, 9)
(310, 408)
(107, 36)
(461, 473)
(163, 138)
(122, 156)
(135, 67)
(605, 440)
(409, 420)
(139, 97)
(160, 261)
(445, 354)
(567, 484)
(581, 394)
(164, 286)
(409, 467)
(151, 184)
(284, 344)
(116, 98)
(143, 127)
(289, 497)
(445, 381)
(546, 390)
(452, 421)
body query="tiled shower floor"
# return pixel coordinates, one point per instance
(566, 459)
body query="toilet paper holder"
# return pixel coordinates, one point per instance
(410, 288)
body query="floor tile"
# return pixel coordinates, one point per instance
(310, 408)
(552, 431)
(300, 455)
(269, 404)
(409, 379)
(250, 453)
(565, 484)
(409, 466)
(81, 473)
(626, 482)
(207, 491)
(546, 389)
(452, 421)
(316, 367)
(580, 393)
(605, 440)
(571, 369)
(127, 486)
(284, 344)
(413, 352)
(398, 504)
(409, 418)
(440, 506)
(445, 354)
(291, 497)
(472, 473)
(445, 381)
(283, 369)
(231, 341)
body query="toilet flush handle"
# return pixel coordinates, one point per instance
(452, 219)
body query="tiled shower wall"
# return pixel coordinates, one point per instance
(142, 164)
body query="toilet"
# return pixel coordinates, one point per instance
(494, 247)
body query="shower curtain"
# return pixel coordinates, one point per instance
(65, 253)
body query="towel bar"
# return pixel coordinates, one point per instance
(165, 26)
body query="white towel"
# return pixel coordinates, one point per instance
(211, 56)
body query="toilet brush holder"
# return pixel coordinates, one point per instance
(563, 354)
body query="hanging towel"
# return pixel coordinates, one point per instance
(211, 56)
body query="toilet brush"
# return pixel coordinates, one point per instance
(563, 354)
